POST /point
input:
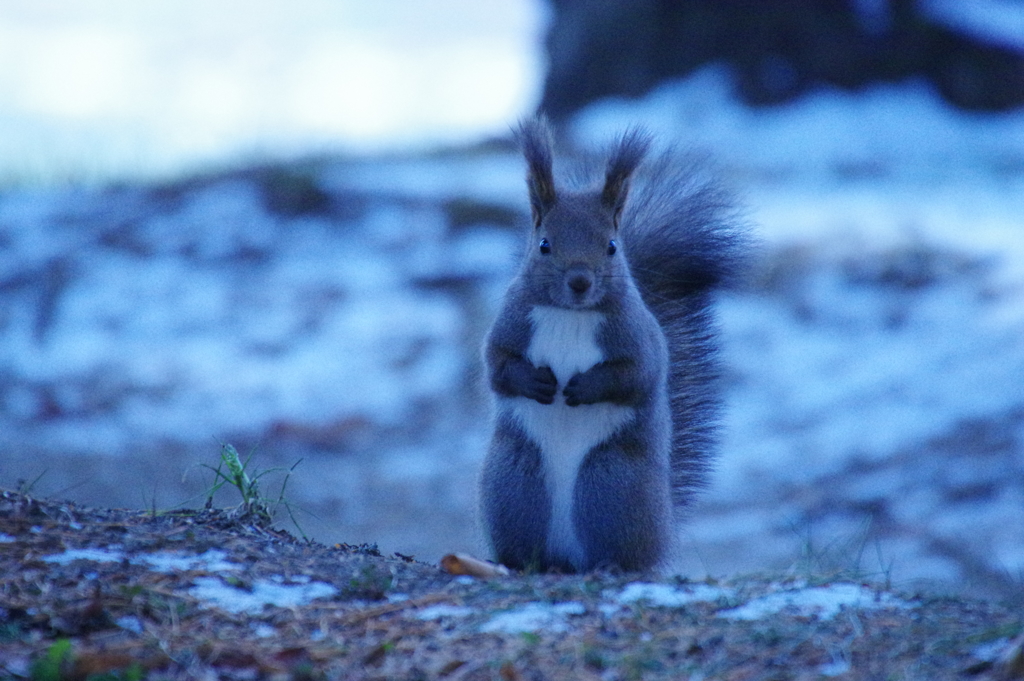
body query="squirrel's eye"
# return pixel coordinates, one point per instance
(545, 247)
(612, 247)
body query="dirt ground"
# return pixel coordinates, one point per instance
(109, 594)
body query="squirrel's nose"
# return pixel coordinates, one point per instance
(580, 282)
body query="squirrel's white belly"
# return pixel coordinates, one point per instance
(566, 341)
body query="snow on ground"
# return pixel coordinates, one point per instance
(332, 312)
(552, 617)
(211, 560)
(212, 591)
(261, 593)
(823, 602)
(826, 138)
(665, 596)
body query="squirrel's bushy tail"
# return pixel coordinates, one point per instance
(683, 238)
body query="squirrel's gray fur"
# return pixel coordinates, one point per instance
(602, 361)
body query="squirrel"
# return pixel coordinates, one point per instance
(603, 363)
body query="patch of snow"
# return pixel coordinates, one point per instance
(442, 610)
(263, 630)
(323, 328)
(130, 623)
(20, 667)
(823, 602)
(262, 593)
(665, 596)
(94, 555)
(212, 560)
(837, 369)
(991, 651)
(531, 617)
(905, 129)
(836, 668)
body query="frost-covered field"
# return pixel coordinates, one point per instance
(332, 310)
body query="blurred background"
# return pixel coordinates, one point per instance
(287, 226)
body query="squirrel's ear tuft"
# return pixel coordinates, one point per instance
(534, 138)
(626, 156)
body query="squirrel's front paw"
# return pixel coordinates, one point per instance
(542, 385)
(579, 391)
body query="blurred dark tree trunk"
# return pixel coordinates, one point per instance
(778, 49)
